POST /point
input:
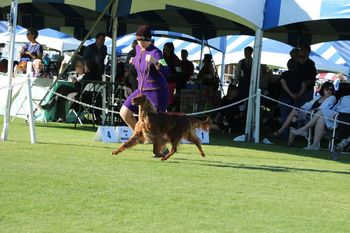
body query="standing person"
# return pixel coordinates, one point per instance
(340, 79)
(307, 70)
(151, 72)
(32, 49)
(187, 69)
(292, 90)
(243, 72)
(97, 52)
(174, 64)
(131, 75)
(294, 54)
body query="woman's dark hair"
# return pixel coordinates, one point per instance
(327, 85)
(33, 32)
(170, 45)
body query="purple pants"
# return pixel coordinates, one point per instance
(158, 98)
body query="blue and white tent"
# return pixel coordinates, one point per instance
(51, 38)
(335, 51)
(273, 52)
(298, 22)
(181, 41)
(4, 27)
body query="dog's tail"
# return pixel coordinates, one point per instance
(204, 125)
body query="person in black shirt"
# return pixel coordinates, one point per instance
(243, 72)
(307, 71)
(293, 87)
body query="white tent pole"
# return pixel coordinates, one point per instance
(201, 54)
(12, 30)
(30, 111)
(253, 80)
(222, 74)
(114, 57)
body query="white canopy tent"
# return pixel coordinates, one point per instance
(48, 37)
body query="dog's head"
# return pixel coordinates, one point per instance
(139, 100)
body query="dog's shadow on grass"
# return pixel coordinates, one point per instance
(220, 164)
(221, 139)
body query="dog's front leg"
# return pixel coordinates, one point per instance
(171, 152)
(133, 140)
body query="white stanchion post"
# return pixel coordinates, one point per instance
(257, 116)
(114, 54)
(222, 75)
(104, 100)
(12, 30)
(30, 112)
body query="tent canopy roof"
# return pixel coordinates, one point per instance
(298, 22)
(215, 18)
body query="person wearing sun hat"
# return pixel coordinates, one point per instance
(151, 76)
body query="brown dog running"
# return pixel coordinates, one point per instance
(162, 128)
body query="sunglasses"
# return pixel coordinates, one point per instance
(302, 57)
(329, 89)
(143, 38)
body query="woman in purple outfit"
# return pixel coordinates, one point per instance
(151, 73)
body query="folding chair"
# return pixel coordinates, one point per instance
(37, 88)
(340, 131)
(92, 94)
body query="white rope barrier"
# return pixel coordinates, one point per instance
(220, 108)
(106, 110)
(79, 102)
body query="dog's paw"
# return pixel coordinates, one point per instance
(115, 152)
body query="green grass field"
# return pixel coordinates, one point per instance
(68, 183)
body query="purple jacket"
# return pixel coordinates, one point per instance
(148, 77)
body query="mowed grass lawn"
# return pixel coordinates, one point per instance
(68, 183)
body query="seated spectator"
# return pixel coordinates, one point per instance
(38, 68)
(297, 118)
(321, 123)
(207, 75)
(340, 79)
(90, 71)
(234, 115)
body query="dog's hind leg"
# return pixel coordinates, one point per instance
(133, 140)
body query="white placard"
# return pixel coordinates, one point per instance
(201, 134)
(123, 133)
(106, 134)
